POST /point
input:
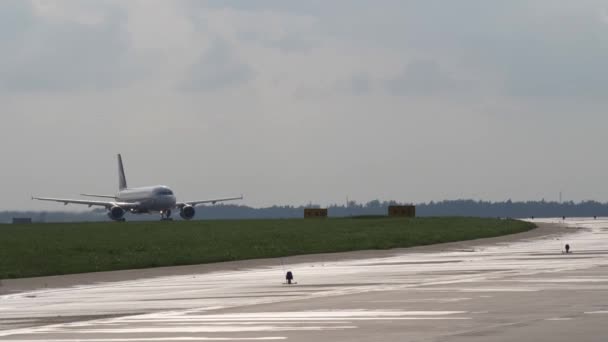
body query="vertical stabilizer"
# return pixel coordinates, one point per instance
(122, 180)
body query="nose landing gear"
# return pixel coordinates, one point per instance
(165, 215)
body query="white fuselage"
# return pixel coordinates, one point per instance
(151, 198)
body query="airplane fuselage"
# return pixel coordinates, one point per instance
(151, 198)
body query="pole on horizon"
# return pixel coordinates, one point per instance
(348, 207)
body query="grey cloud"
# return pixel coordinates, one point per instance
(358, 84)
(45, 55)
(218, 68)
(422, 77)
(316, 8)
(292, 43)
(15, 18)
(536, 48)
(539, 48)
(288, 40)
(306, 7)
(288, 43)
(553, 68)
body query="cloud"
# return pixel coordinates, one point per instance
(518, 48)
(358, 84)
(300, 7)
(289, 43)
(530, 49)
(423, 77)
(547, 66)
(217, 68)
(15, 18)
(54, 53)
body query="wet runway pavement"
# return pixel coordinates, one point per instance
(525, 290)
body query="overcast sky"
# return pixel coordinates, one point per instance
(290, 102)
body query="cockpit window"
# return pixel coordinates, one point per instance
(164, 192)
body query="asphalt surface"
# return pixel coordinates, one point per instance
(527, 290)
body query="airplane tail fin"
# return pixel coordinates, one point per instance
(122, 180)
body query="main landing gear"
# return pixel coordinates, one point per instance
(165, 215)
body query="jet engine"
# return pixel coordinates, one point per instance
(116, 213)
(187, 212)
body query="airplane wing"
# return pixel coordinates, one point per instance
(213, 201)
(107, 204)
(100, 196)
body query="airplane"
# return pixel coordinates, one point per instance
(141, 200)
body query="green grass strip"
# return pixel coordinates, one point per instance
(64, 248)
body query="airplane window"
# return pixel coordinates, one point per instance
(164, 192)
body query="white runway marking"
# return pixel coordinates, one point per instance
(188, 305)
(238, 322)
(597, 312)
(274, 338)
(565, 280)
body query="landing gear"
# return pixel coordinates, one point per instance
(165, 215)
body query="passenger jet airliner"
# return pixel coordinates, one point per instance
(144, 200)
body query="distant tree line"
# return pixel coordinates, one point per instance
(512, 209)
(376, 207)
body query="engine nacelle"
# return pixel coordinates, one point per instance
(116, 213)
(187, 212)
